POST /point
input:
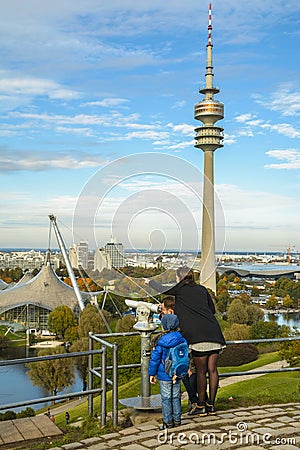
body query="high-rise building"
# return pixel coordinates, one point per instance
(208, 137)
(79, 255)
(73, 257)
(82, 249)
(116, 253)
(101, 260)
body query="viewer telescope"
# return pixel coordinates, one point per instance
(144, 312)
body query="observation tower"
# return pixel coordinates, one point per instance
(208, 137)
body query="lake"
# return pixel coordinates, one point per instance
(16, 386)
(290, 319)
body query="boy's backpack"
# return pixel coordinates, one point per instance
(177, 361)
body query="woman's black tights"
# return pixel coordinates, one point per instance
(207, 365)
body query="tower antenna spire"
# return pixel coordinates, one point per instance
(209, 42)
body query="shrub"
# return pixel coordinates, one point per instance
(238, 354)
(8, 415)
(28, 412)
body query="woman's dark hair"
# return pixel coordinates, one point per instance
(186, 275)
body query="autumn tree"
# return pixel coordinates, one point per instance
(92, 319)
(255, 313)
(287, 302)
(272, 302)
(125, 324)
(237, 312)
(60, 319)
(237, 332)
(52, 375)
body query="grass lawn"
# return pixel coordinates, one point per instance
(267, 389)
(262, 360)
(271, 388)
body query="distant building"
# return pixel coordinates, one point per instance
(102, 260)
(79, 255)
(116, 253)
(82, 249)
(26, 260)
(73, 257)
(32, 299)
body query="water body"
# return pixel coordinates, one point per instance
(290, 319)
(15, 384)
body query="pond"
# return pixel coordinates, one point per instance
(15, 384)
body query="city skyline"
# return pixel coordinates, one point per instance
(84, 84)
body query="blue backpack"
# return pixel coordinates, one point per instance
(177, 361)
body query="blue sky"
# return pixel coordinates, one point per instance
(84, 83)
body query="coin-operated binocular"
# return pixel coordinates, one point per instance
(144, 314)
(146, 326)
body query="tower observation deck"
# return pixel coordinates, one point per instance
(208, 138)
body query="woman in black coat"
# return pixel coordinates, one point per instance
(198, 325)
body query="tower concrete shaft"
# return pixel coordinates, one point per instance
(208, 137)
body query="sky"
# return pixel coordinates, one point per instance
(96, 105)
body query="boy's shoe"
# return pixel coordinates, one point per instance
(198, 410)
(210, 408)
(177, 423)
(166, 425)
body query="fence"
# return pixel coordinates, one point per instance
(101, 372)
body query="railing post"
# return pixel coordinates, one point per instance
(103, 387)
(115, 385)
(90, 375)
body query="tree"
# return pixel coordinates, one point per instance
(272, 302)
(81, 362)
(52, 375)
(125, 324)
(268, 330)
(237, 312)
(237, 332)
(255, 313)
(290, 352)
(287, 302)
(60, 319)
(92, 320)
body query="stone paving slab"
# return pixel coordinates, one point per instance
(269, 427)
(27, 428)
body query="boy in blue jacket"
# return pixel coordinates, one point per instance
(169, 389)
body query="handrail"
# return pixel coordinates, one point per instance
(101, 372)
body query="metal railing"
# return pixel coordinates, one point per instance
(101, 372)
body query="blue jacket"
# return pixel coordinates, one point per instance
(160, 352)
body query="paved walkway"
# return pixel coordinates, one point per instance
(275, 427)
(225, 381)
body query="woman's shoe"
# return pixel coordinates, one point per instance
(166, 425)
(198, 410)
(193, 406)
(210, 408)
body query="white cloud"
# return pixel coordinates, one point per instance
(29, 86)
(284, 100)
(244, 118)
(282, 128)
(41, 161)
(108, 102)
(184, 128)
(292, 156)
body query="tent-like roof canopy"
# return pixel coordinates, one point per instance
(45, 290)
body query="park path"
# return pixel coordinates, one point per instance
(225, 381)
